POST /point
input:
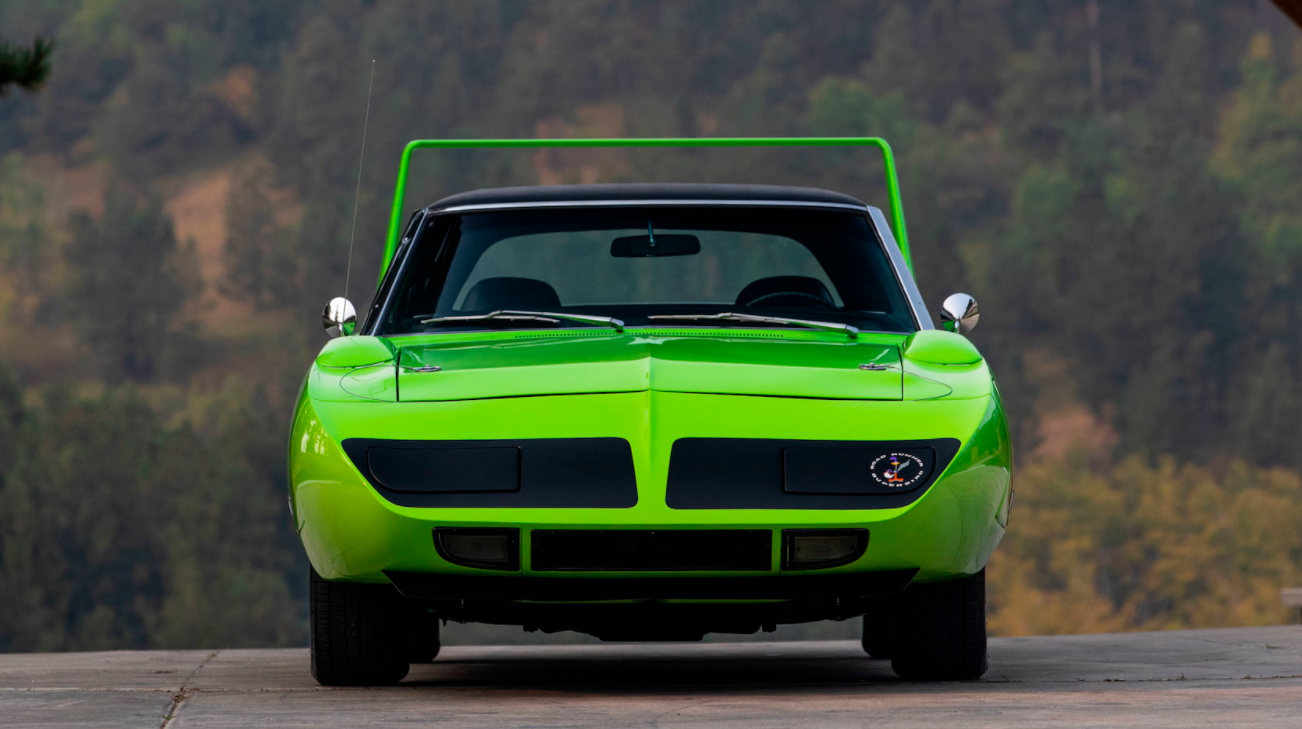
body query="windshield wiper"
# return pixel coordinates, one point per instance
(542, 316)
(850, 331)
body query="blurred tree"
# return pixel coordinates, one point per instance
(116, 529)
(129, 285)
(972, 40)
(1135, 271)
(1043, 97)
(71, 103)
(321, 247)
(259, 266)
(24, 240)
(1142, 546)
(11, 417)
(308, 144)
(1180, 250)
(23, 67)
(160, 120)
(892, 66)
(1260, 151)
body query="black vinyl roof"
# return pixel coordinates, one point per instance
(579, 194)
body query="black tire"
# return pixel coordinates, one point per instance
(941, 631)
(359, 634)
(422, 636)
(879, 630)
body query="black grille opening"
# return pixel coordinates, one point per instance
(539, 473)
(684, 550)
(446, 470)
(762, 473)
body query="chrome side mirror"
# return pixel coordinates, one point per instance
(339, 317)
(959, 313)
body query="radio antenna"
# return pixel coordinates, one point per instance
(357, 195)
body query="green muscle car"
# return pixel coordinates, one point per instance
(648, 412)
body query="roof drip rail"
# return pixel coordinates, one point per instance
(892, 178)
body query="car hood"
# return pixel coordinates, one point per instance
(545, 364)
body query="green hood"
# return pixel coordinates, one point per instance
(551, 365)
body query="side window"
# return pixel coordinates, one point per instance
(391, 275)
(417, 277)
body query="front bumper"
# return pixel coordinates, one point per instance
(352, 533)
(434, 587)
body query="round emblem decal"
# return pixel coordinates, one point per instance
(897, 470)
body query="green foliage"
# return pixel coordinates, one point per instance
(24, 241)
(129, 285)
(321, 248)
(116, 529)
(316, 140)
(23, 67)
(259, 266)
(1142, 546)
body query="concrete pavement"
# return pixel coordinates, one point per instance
(1232, 677)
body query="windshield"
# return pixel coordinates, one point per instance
(640, 264)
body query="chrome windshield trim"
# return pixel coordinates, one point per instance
(921, 317)
(645, 203)
(638, 329)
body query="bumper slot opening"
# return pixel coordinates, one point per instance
(425, 586)
(676, 550)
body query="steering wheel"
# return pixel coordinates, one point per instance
(801, 300)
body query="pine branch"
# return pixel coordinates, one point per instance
(25, 67)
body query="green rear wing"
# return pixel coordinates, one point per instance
(892, 179)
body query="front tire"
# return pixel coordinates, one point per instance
(879, 631)
(941, 631)
(423, 643)
(359, 633)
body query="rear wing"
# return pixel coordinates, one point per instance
(892, 179)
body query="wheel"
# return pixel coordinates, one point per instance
(941, 631)
(359, 633)
(422, 636)
(879, 630)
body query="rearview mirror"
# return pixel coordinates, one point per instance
(959, 313)
(339, 317)
(649, 246)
